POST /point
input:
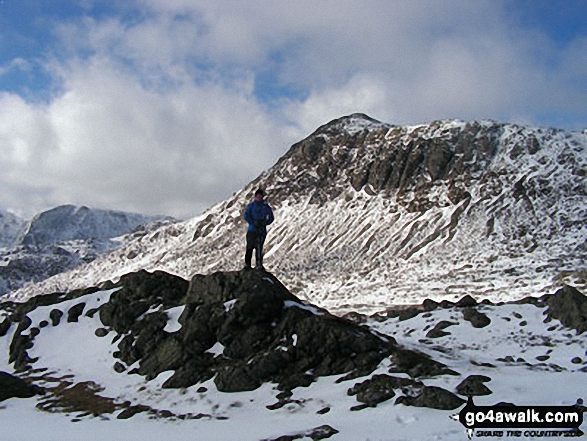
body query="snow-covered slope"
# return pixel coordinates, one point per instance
(369, 214)
(77, 348)
(64, 237)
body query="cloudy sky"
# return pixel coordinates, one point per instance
(168, 106)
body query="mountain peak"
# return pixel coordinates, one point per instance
(72, 222)
(351, 124)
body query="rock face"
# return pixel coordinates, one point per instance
(242, 328)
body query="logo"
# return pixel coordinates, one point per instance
(508, 420)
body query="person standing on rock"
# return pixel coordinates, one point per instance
(258, 215)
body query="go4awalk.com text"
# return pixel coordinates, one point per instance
(507, 420)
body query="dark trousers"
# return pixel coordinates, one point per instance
(255, 242)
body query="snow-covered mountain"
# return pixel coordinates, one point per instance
(64, 237)
(11, 228)
(369, 214)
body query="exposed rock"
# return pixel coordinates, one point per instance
(569, 306)
(139, 291)
(473, 386)
(439, 329)
(263, 332)
(5, 326)
(417, 364)
(15, 387)
(377, 389)
(433, 397)
(74, 312)
(476, 318)
(429, 305)
(466, 302)
(55, 316)
(101, 332)
(322, 432)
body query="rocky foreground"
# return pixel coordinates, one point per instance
(113, 350)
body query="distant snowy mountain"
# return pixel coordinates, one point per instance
(369, 214)
(70, 222)
(62, 238)
(11, 228)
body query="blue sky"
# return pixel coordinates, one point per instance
(144, 105)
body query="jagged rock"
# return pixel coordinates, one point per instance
(139, 291)
(466, 302)
(74, 312)
(416, 364)
(473, 386)
(439, 329)
(265, 333)
(377, 389)
(476, 318)
(15, 387)
(5, 326)
(55, 316)
(429, 305)
(433, 397)
(569, 306)
(322, 432)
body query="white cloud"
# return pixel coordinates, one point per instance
(161, 114)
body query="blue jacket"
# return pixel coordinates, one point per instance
(258, 214)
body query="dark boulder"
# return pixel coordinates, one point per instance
(15, 387)
(432, 397)
(474, 385)
(137, 294)
(316, 434)
(569, 306)
(74, 312)
(476, 318)
(55, 316)
(466, 302)
(377, 389)
(416, 364)
(439, 329)
(5, 326)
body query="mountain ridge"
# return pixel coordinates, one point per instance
(392, 214)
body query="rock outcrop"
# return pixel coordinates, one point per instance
(569, 306)
(240, 328)
(15, 387)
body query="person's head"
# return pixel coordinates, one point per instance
(259, 194)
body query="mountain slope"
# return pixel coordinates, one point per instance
(369, 214)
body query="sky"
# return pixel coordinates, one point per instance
(167, 107)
